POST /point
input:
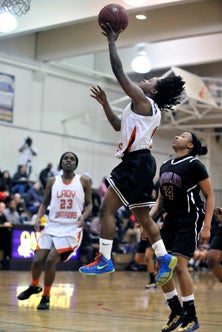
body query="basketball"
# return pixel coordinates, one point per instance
(115, 15)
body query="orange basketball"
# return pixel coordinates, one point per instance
(115, 15)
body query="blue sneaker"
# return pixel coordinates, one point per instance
(101, 265)
(167, 265)
(189, 324)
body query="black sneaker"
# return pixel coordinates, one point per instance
(173, 322)
(44, 303)
(29, 291)
(189, 324)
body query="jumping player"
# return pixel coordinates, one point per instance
(180, 182)
(69, 199)
(131, 182)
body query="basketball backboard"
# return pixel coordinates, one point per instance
(195, 88)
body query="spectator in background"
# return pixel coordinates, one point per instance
(27, 151)
(95, 228)
(214, 257)
(88, 247)
(119, 223)
(45, 174)
(3, 219)
(21, 207)
(145, 255)
(20, 181)
(11, 213)
(5, 235)
(102, 188)
(34, 197)
(198, 261)
(132, 229)
(96, 200)
(5, 186)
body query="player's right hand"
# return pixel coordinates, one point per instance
(99, 94)
(37, 225)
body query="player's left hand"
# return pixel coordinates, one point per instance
(205, 235)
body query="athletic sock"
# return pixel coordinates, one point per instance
(152, 278)
(105, 247)
(189, 307)
(175, 305)
(46, 290)
(159, 248)
(35, 282)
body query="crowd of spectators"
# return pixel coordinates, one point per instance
(19, 197)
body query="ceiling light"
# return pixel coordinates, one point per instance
(8, 22)
(141, 63)
(141, 17)
(135, 2)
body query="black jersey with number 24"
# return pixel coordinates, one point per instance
(179, 187)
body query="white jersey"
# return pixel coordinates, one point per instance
(66, 206)
(137, 130)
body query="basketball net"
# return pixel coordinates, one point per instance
(16, 7)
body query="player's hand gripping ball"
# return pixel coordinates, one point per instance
(115, 15)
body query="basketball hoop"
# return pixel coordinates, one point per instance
(16, 7)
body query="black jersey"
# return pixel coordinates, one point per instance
(179, 184)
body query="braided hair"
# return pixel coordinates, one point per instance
(169, 93)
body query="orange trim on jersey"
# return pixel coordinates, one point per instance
(131, 140)
(66, 183)
(153, 132)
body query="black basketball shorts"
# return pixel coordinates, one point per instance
(132, 179)
(142, 245)
(180, 234)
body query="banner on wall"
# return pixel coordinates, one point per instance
(6, 97)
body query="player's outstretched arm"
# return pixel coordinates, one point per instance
(131, 89)
(100, 95)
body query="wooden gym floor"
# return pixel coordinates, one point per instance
(116, 302)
